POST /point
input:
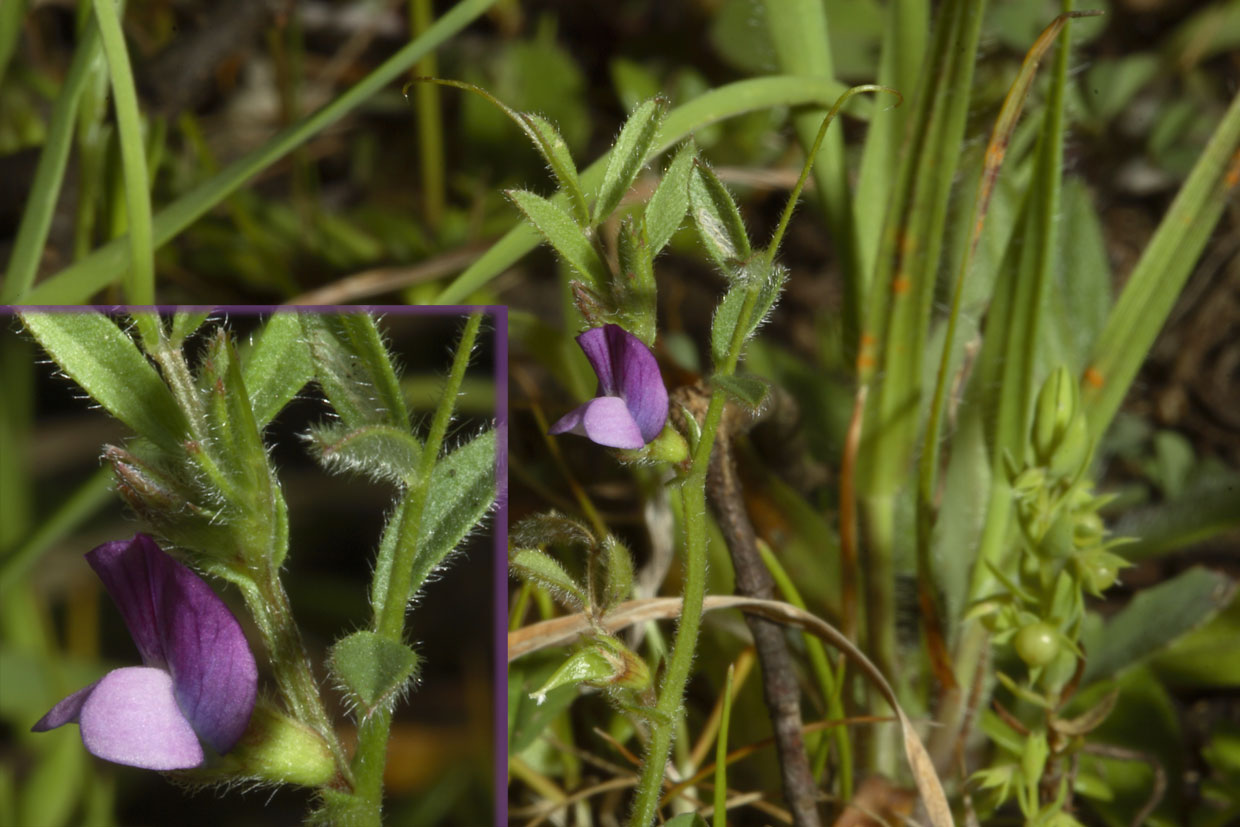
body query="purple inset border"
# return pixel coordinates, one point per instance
(499, 580)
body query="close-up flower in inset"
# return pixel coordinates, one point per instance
(630, 406)
(198, 678)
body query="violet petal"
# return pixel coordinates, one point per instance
(640, 383)
(596, 344)
(67, 711)
(131, 717)
(178, 622)
(605, 420)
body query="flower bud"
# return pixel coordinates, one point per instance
(1060, 435)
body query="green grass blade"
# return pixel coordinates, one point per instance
(140, 275)
(50, 173)
(798, 31)
(903, 50)
(704, 110)
(77, 283)
(1160, 274)
(11, 14)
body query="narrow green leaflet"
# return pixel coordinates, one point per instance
(750, 391)
(717, 218)
(462, 489)
(670, 200)
(373, 668)
(542, 570)
(380, 451)
(727, 315)
(277, 366)
(547, 140)
(353, 368)
(554, 149)
(184, 324)
(564, 234)
(235, 443)
(628, 156)
(617, 575)
(96, 354)
(1155, 618)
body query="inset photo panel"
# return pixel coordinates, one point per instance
(249, 560)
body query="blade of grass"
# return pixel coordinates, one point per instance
(77, 283)
(903, 49)
(799, 34)
(11, 14)
(1160, 274)
(50, 173)
(139, 279)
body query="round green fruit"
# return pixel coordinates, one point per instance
(1037, 644)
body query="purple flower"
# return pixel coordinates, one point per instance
(198, 678)
(630, 406)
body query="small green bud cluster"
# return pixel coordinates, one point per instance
(1064, 551)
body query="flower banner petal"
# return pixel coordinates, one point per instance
(132, 718)
(124, 568)
(640, 383)
(596, 344)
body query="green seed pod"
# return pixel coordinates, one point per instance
(1098, 569)
(1037, 644)
(1056, 408)
(1089, 530)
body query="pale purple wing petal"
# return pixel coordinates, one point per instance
(124, 568)
(596, 344)
(67, 711)
(606, 420)
(639, 382)
(179, 624)
(132, 718)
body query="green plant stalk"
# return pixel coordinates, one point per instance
(77, 283)
(290, 664)
(430, 121)
(140, 276)
(719, 818)
(50, 173)
(389, 619)
(669, 707)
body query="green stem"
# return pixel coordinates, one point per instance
(389, 619)
(668, 709)
(430, 124)
(290, 664)
(140, 277)
(50, 173)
